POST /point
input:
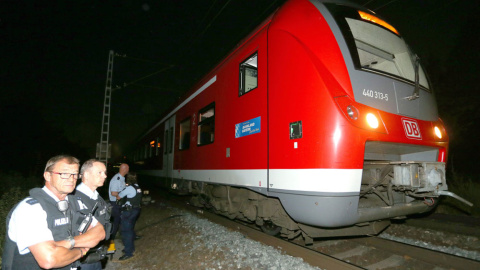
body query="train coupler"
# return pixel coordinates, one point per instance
(451, 194)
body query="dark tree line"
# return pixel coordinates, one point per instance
(455, 80)
(28, 140)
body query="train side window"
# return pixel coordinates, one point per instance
(184, 134)
(151, 147)
(248, 74)
(157, 146)
(170, 141)
(166, 141)
(206, 125)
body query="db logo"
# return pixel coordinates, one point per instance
(411, 129)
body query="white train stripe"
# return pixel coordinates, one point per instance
(308, 180)
(247, 178)
(316, 180)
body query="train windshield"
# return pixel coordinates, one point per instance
(376, 46)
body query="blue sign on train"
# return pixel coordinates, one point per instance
(246, 128)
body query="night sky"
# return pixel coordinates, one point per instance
(54, 61)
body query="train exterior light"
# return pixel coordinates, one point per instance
(352, 112)
(372, 120)
(374, 19)
(277, 133)
(438, 133)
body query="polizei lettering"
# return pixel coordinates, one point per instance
(61, 221)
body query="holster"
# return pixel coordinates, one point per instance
(108, 229)
(122, 201)
(127, 207)
(95, 256)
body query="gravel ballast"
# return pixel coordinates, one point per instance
(176, 239)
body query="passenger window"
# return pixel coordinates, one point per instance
(206, 125)
(170, 141)
(150, 151)
(184, 134)
(157, 148)
(166, 141)
(248, 75)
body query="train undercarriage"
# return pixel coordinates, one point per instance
(389, 190)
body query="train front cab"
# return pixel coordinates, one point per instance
(370, 145)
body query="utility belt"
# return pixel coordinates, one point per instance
(129, 207)
(95, 254)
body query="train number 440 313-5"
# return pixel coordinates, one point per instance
(375, 94)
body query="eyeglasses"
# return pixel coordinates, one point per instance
(66, 175)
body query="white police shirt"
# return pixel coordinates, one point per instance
(117, 184)
(28, 224)
(91, 194)
(87, 191)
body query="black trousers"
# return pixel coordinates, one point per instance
(116, 212)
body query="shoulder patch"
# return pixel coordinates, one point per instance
(32, 201)
(118, 177)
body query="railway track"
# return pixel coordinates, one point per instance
(312, 257)
(347, 253)
(376, 253)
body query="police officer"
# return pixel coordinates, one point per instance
(94, 173)
(117, 184)
(41, 229)
(130, 213)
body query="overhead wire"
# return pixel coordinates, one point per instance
(384, 5)
(213, 19)
(208, 12)
(259, 16)
(192, 41)
(368, 2)
(166, 89)
(201, 23)
(138, 59)
(142, 78)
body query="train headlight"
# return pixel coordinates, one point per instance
(372, 120)
(362, 116)
(352, 112)
(437, 131)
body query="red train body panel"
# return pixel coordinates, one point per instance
(285, 115)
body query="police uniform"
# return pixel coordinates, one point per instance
(34, 220)
(130, 212)
(117, 184)
(87, 200)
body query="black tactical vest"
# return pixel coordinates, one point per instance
(102, 212)
(58, 222)
(137, 200)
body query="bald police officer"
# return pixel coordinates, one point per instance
(117, 184)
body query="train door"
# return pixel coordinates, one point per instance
(169, 139)
(250, 116)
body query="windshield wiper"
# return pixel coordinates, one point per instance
(416, 91)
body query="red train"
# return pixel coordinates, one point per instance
(321, 122)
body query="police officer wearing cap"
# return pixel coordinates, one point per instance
(94, 173)
(41, 229)
(117, 184)
(132, 198)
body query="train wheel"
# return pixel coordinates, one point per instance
(271, 229)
